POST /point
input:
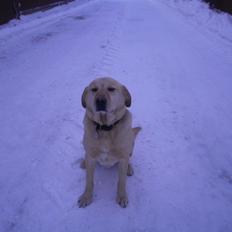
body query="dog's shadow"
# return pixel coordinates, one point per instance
(105, 183)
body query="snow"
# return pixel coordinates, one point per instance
(176, 59)
(206, 20)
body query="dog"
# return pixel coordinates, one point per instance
(108, 134)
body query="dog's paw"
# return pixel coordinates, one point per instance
(122, 201)
(84, 200)
(130, 170)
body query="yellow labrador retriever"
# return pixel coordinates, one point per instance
(108, 134)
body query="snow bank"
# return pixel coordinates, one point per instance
(200, 15)
(42, 16)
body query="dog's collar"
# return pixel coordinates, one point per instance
(105, 127)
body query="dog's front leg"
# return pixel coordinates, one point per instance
(86, 198)
(121, 193)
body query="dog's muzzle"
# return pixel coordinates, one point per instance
(101, 104)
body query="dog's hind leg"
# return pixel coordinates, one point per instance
(130, 170)
(136, 130)
(83, 165)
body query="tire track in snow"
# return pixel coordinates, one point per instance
(111, 47)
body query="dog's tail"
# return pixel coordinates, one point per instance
(136, 130)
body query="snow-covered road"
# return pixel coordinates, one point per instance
(179, 75)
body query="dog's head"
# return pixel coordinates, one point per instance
(105, 100)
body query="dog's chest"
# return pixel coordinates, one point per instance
(106, 160)
(105, 157)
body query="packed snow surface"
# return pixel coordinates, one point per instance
(175, 57)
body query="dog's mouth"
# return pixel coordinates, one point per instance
(101, 104)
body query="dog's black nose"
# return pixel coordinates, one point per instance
(101, 104)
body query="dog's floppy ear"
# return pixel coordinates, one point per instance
(127, 96)
(83, 102)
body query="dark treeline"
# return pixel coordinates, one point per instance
(7, 11)
(10, 9)
(29, 4)
(223, 5)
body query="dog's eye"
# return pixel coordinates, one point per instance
(94, 89)
(111, 89)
